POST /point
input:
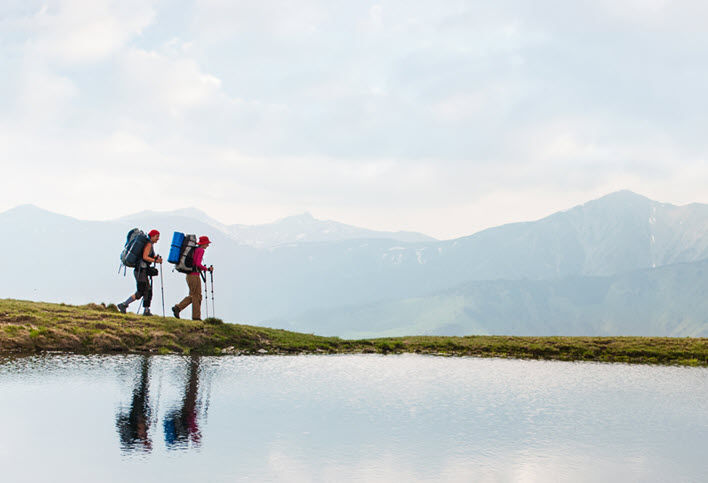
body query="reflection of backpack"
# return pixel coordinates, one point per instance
(182, 252)
(133, 249)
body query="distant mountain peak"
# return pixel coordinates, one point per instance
(28, 208)
(622, 196)
(190, 212)
(30, 211)
(302, 217)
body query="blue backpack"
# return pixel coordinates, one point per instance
(133, 249)
(182, 252)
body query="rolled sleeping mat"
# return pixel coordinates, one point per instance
(176, 247)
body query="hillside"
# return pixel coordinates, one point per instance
(62, 259)
(32, 327)
(669, 301)
(302, 228)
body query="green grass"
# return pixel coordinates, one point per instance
(32, 327)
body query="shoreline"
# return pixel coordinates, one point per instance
(30, 328)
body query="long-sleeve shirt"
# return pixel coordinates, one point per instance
(198, 255)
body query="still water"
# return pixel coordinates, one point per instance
(344, 418)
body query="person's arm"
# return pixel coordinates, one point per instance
(198, 255)
(146, 254)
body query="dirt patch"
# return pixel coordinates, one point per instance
(14, 319)
(66, 340)
(195, 340)
(104, 341)
(160, 339)
(95, 306)
(54, 339)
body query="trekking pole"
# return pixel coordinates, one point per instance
(206, 293)
(206, 296)
(162, 289)
(213, 310)
(142, 298)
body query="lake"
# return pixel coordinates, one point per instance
(348, 418)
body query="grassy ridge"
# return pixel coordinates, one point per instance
(31, 327)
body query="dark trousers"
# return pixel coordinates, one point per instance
(144, 287)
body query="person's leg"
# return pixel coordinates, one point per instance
(142, 290)
(195, 290)
(187, 300)
(176, 309)
(147, 300)
(123, 306)
(147, 297)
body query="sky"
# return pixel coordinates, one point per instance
(443, 117)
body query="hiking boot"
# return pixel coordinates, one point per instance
(121, 307)
(147, 312)
(175, 312)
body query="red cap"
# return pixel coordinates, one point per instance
(153, 233)
(203, 240)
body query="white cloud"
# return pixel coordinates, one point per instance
(439, 117)
(76, 31)
(226, 18)
(44, 95)
(176, 83)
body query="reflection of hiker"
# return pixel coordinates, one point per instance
(143, 275)
(194, 282)
(134, 424)
(182, 425)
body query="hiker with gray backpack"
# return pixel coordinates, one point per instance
(139, 254)
(188, 254)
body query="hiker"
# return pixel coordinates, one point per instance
(143, 275)
(134, 424)
(182, 425)
(194, 283)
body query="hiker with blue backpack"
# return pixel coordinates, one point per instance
(190, 261)
(140, 254)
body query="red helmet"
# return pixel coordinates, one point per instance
(204, 240)
(153, 233)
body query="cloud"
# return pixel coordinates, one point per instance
(228, 18)
(74, 31)
(175, 83)
(385, 114)
(44, 95)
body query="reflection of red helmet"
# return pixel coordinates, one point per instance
(204, 240)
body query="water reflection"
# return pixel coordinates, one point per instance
(133, 425)
(348, 418)
(181, 423)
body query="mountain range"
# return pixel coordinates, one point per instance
(292, 229)
(619, 265)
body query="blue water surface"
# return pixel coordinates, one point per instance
(348, 418)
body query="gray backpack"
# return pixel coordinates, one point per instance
(186, 258)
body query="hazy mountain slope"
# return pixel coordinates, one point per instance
(293, 229)
(624, 231)
(619, 232)
(306, 228)
(667, 301)
(182, 217)
(66, 260)
(61, 259)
